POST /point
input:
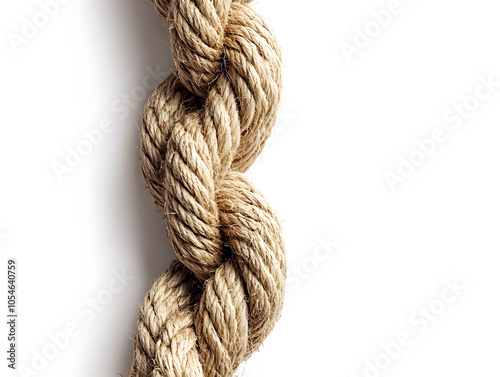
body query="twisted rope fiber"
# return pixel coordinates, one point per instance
(203, 127)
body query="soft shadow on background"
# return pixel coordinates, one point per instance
(136, 38)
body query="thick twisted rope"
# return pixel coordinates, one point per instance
(203, 127)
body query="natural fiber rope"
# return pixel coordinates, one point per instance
(203, 127)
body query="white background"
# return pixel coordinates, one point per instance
(344, 123)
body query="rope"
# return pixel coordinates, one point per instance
(203, 127)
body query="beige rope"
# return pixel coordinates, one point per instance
(203, 127)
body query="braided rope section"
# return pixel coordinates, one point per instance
(203, 127)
